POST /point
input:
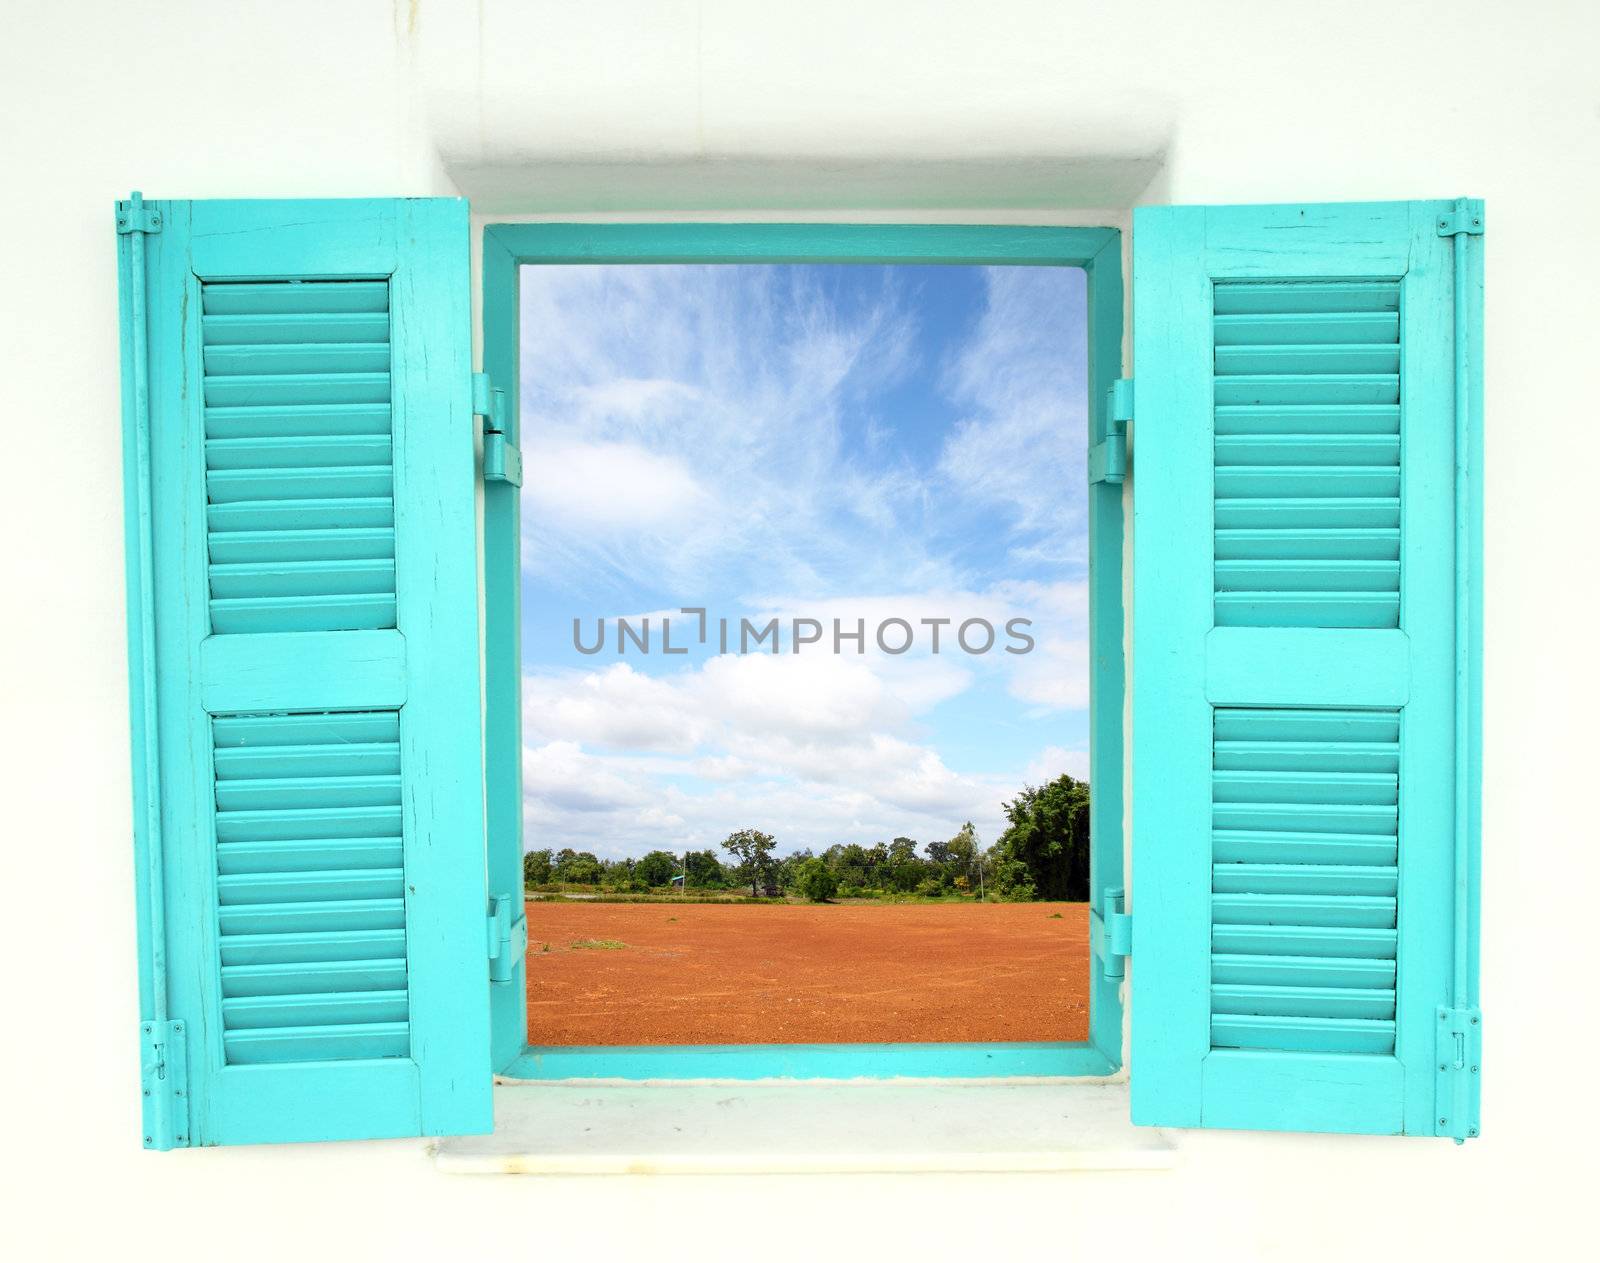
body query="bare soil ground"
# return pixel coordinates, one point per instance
(806, 974)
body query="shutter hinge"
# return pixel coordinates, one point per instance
(1467, 217)
(1108, 459)
(508, 938)
(1458, 1049)
(502, 462)
(1111, 933)
(134, 216)
(164, 1081)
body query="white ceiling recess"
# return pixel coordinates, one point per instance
(678, 105)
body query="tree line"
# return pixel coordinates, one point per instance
(1042, 854)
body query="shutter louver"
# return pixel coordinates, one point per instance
(301, 476)
(311, 887)
(1308, 454)
(1304, 668)
(299, 473)
(1305, 852)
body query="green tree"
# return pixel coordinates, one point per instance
(580, 867)
(962, 851)
(786, 870)
(621, 875)
(1048, 835)
(536, 867)
(657, 868)
(753, 850)
(906, 875)
(850, 863)
(815, 880)
(704, 871)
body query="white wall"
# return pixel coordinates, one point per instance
(1033, 108)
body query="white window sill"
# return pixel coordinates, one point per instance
(788, 1128)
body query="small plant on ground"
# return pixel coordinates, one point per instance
(598, 944)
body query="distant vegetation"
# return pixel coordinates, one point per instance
(1043, 854)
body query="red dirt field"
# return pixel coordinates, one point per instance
(807, 974)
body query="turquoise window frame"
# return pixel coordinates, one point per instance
(1098, 251)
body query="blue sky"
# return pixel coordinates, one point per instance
(822, 441)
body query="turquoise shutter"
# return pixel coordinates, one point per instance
(303, 632)
(1305, 667)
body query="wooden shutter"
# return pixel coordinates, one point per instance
(304, 636)
(1305, 667)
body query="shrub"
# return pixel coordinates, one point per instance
(815, 881)
(1012, 882)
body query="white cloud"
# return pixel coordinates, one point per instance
(866, 793)
(610, 486)
(616, 707)
(1055, 676)
(817, 748)
(630, 398)
(1053, 761)
(559, 775)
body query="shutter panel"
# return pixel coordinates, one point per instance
(303, 617)
(1305, 667)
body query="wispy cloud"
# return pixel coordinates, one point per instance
(1022, 383)
(749, 375)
